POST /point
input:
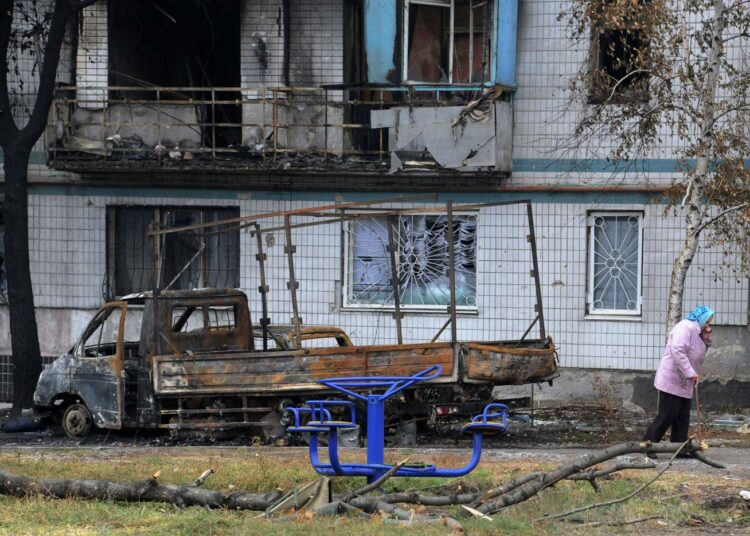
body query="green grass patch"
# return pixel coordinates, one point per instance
(679, 499)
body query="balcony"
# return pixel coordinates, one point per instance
(393, 131)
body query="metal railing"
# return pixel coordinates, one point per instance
(224, 126)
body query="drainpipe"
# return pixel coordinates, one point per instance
(506, 34)
(380, 18)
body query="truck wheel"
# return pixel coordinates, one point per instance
(77, 422)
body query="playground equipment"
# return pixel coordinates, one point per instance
(316, 418)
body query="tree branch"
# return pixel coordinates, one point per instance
(146, 490)
(723, 213)
(532, 487)
(621, 499)
(63, 10)
(8, 128)
(374, 485)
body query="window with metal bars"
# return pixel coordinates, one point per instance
(422, 262)
(614, 263)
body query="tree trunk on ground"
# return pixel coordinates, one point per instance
(27, 361)
(487, 501)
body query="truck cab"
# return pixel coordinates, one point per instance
(104, 379)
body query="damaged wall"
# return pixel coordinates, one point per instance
(315, 43)
(455, 137)
(92, 60)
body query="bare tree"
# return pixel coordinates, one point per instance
(36, 28)
(672, 75)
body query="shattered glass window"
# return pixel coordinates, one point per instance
(422, 261)
(615, 263)
(198, 258)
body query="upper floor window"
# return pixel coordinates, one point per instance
(447, 41)
(614, 269)
(187, 260)
(619, 58)
(422, 261)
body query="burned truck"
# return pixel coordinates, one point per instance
(205, 371)
(184, 360)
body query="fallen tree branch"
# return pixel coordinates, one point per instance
(534, 486)
(375, 485)
(143, 491)
(621, 499)
(622, 523)
(700, 457)
(408, 497)
(204, 476)
(372, 505)
(505, 488)
(622, 466)
(591, 476)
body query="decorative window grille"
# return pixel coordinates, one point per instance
(422, 262)
(192, 259)
(614, 269)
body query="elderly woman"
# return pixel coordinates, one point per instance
(678, 372)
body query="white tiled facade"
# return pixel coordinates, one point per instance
(68, 256)
(68, 224)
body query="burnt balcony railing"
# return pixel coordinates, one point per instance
(371, 129)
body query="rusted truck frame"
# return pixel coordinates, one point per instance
(197, 360)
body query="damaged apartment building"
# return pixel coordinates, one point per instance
(191, 111)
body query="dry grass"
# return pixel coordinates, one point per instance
(684, 502)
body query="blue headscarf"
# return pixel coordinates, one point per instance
(701, 314)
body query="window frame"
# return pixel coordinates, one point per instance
(451, 5)
(158, 212)
(591, 312)
(348, 259)
(626, 93)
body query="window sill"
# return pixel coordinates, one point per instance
(621, 318)
(409, 311)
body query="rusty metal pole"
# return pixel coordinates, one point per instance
(263, 287)
(395, 284)
(325, 104)
(452, 273)
(531, 238)
(153, 245)
(292, 284)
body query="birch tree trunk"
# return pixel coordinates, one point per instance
(696, 209)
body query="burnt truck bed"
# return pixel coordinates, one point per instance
(295, 371)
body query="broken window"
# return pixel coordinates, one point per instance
(180, 44)
(619, 56)
(422, 261)
(448, 41)
(199, 319)
(614, 274)
(192, 259)
(101, 335)
(3, 278)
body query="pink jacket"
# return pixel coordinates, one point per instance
(682, 359)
